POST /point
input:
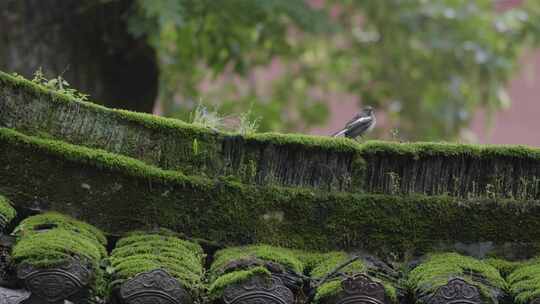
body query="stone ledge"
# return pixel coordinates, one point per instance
(118, 194)
(274, 159)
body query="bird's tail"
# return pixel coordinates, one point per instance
(339, 133)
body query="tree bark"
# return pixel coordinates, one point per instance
(86, 42)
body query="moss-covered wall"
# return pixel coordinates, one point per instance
(119, 194)
(272, 159)
(172, 144)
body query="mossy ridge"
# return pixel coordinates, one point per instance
(7, 212)
(233, 213)
(420, 149)
(218, 155)
(524, 281)
(141, 252)
(325, 263)
(278, 159)
(324, 142)
(161, 123)
(7, 80)
(438, 268)
(97, 157)
(170, 144)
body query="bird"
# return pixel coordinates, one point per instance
(361, 123)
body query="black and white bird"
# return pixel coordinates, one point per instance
(360, 124)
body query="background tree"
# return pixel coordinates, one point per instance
(429, 64)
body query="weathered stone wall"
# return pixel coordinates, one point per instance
(171, 144)
(118, 194)
(464, 171)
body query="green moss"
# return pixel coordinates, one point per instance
(326, 290)
(97, 157)
(51, 240)
(7, 212)
(318, 142)
(164, 238)
(333, 288)
(220, 277)
(218, 286)
(256, 159)
(327, 262)
(54, 220)
(322, 264)
(127, 194)
(53, 247)
(420, 149)
(524, 282)
(162, 123)
(283, 256)
(505, 267)
(437, 269)
(145, 251)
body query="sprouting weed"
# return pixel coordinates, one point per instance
(247, 125)
(203, 117)
(58, 84)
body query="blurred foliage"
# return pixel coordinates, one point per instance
(428, 64)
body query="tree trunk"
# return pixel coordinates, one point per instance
(86, 42)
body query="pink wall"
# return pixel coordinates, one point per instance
(519, 124)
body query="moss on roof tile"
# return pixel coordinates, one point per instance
(51, 239)
(325, 263)
(524, 281)
(216, 288)
(7, 212)
(254, 256)
(55, 220)
(438, 268)
(505, 267)
(53, 247)
(283, 256)
(146, 251)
